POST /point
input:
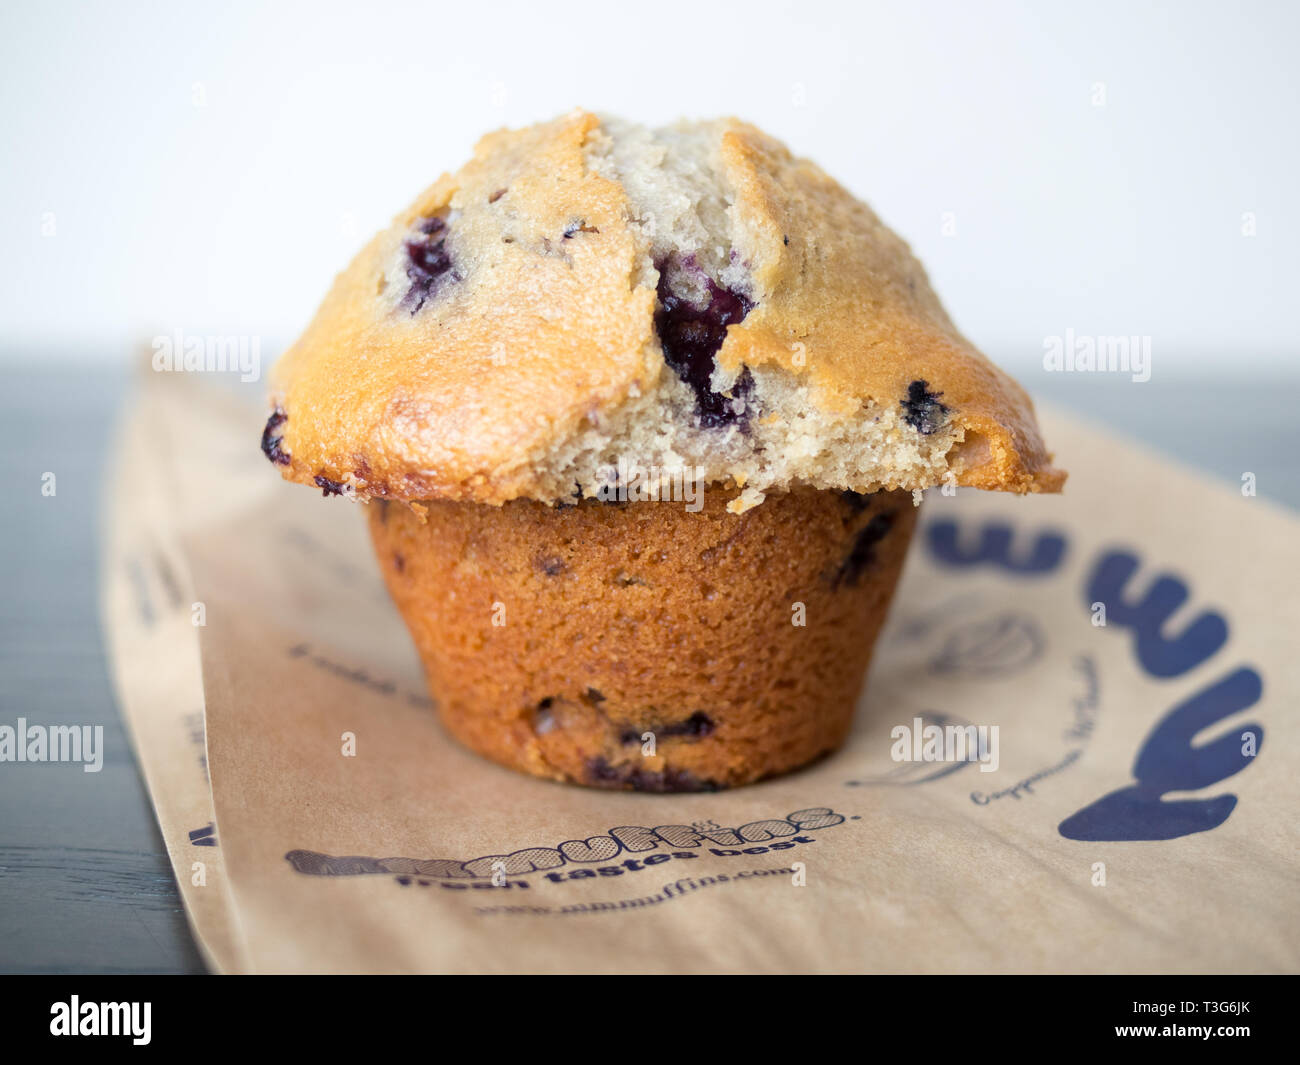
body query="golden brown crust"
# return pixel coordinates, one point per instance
(449, 403)
(834, 279)
(544, 334)
(554, 639)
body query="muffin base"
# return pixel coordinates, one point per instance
(643, 646)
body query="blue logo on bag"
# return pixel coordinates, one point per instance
(1167, 761)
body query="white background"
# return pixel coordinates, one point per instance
(210, 167)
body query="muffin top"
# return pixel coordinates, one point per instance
(587, 292)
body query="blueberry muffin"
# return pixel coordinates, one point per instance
(641, 416)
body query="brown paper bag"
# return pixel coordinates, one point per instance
(1130, 642)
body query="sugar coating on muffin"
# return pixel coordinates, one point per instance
(694, 297)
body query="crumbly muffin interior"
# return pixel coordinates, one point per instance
(758, 428)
